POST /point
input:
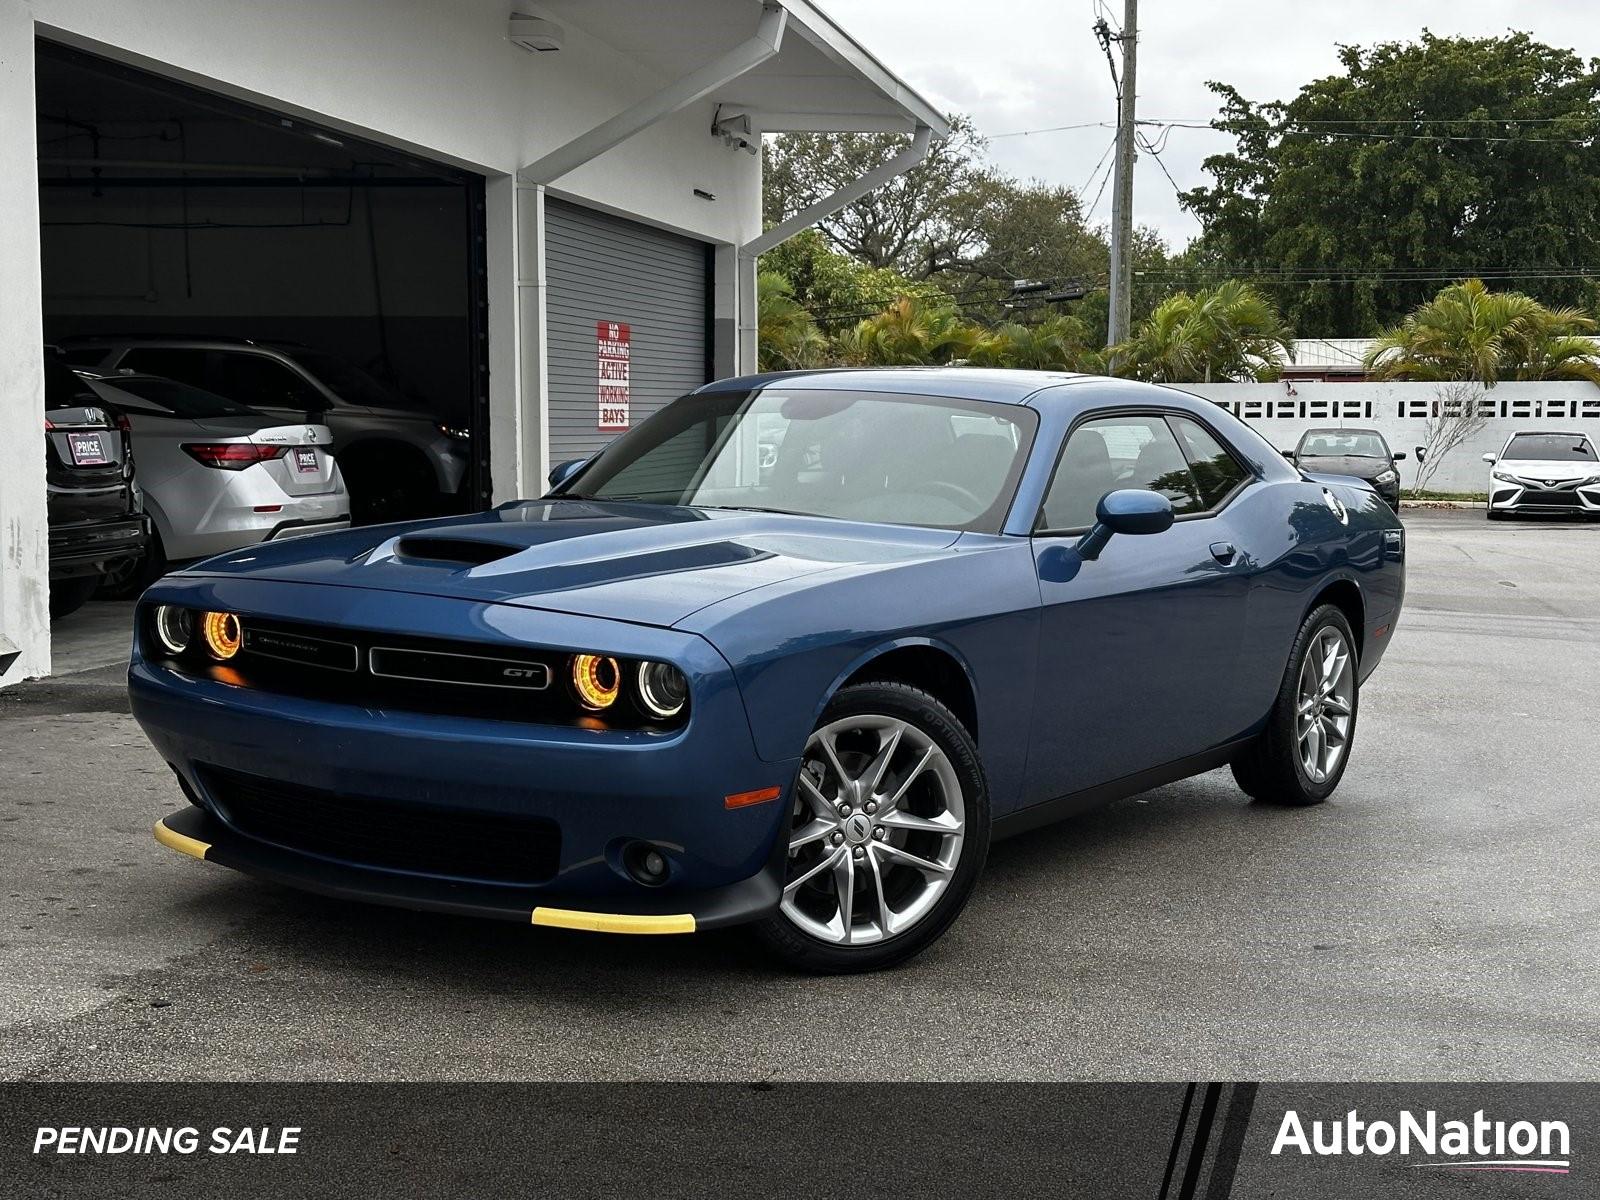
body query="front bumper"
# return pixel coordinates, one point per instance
(1519, 497)
(602, 789)
(88, 546)
(200, 835)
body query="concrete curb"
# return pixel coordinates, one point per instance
(1476, 505)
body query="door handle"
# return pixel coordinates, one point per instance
(1224, 553)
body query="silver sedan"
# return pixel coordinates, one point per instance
(217, 475)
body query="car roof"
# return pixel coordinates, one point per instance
(1001, 386)
(1548, 433)
(1339, 429)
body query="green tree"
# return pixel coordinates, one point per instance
(1457, 154)
(1227, 332)
(787, 337)
(1468, 332)
(1058, 343)
(910, 332)
(837, 290)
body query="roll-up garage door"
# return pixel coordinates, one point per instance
(619, 293)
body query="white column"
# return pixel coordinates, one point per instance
(747, 340)
(507, 449)
(532, 339)
(24, 530)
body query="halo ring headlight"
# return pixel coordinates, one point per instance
(663, 691)
(597, 679)
(222, 634)
(174, 627)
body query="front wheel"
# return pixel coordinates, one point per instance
(1301, 755)
(889, 831)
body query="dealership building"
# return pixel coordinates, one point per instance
(537, 222)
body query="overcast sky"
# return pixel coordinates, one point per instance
(1029, 64)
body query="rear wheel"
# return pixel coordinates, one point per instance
(890, 830)
(1301, 755)
(126, 579)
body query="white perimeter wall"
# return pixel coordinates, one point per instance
(434, 76)
(1399, 411)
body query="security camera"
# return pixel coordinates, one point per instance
(535, 33)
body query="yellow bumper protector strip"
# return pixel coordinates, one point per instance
(182, 843)
(599, 922)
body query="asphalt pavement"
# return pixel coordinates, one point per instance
(1437, 919)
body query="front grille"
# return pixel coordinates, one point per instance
(1552, 498)
(390, 834)
(402, 672)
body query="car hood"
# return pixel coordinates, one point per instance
(1345, 464)
(645, 563)
(1553, 470)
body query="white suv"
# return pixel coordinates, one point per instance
(1544, 473)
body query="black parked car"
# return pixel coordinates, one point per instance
(93, 507)
(1359, 452)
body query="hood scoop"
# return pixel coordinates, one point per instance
(472, 552)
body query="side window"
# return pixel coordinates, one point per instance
(1216, 472)
(186, 366)
(1110, 453)
(263, 382)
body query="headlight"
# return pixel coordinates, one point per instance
(454, 431)
(1385, 477)
(1503, 477)
(222, 634)
(174, 627)
(597, 680)
(663, 691)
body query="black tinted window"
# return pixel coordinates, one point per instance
(1111, 453)
(187, 366)
(262, 382)
(167, 397)
(1216, 472)
(1557, 447)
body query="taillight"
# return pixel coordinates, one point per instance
(123, 423)
(232, 456)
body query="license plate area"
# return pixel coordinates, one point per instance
(87, 450)
(305, 460)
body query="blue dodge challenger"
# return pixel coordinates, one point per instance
(791, 652)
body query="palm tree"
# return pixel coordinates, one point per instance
(1468, 332)
(787, 336)
(910, 332)
(1227, 332)
(1057, 343)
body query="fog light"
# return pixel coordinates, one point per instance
(174, 627)
(662, 689)
(222, 635)
(646, 864)
(596, 679)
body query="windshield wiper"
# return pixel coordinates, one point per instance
(755, 508)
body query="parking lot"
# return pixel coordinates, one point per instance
(1436, 919)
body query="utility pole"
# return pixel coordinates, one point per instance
(1119, 325)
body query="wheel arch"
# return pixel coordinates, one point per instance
(1344, 593)
(920, 662)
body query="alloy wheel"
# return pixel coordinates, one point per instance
(1325, 704)
(879, 824)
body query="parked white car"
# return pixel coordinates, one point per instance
(217, 475)
(1539, 472)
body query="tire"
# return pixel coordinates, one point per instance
(68, 595)
(928, 804)
(1494, 516)
(1274, 768)
(127, 580)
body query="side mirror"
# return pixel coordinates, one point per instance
(1129, 510)
(564, 471)
(1289, 454)
(1399, 456)
(1422, 453)
(1488, 458)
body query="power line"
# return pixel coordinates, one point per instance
(1052, 129)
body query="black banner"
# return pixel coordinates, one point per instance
(1140, 1141)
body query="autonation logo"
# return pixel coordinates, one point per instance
(1476, 1145)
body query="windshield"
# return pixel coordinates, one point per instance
(856, 456)
(169, 398)
(1342, 443)
(350, 384)
(1557, 447)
